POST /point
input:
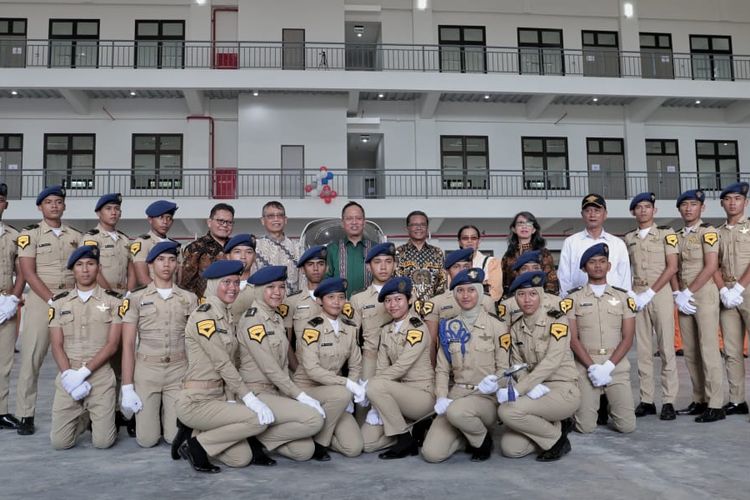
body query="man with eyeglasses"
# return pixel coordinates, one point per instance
(198, 255)
(275, 249)
(346, 258)
(420, 261)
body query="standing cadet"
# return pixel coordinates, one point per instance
(403, 385)
(602, 327)
(207, 405)
(43, 251)
(324, 346)
(474, 351)
(84, 327)
(152, 369)
(733, 278)
(264, 367)
(546, 393)
(160, 217)
(241, 247)
(653, 260)
(698, 303)
(10, 295)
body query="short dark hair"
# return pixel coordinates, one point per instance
(352, 204)
(221, 206)
(464, 228)
(272, 204)
(416, 212)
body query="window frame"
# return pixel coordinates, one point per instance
(173, 182)
(545, 154)
(70, 152)
(74, 38)
(11, 21)
(540, 46)
(4, 143)
(462, 44)
(711, 52)
(160, 38)
(716, 157)
(446, 183)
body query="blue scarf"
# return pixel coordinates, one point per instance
(453, 330)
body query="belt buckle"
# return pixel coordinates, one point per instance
(602, 351)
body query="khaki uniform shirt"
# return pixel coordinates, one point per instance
(51, 253)
(692, 245)
(734, 250)
(242, 303)
(404, 353)
(301, 307)
(444, 306)
(143, 244)
(322, 353)
(8, 253)
(648, 256)
(114, 255)
(370, 315)
(599, 319)
(508, 309)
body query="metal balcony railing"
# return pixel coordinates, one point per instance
(357, 184)
(180, 54)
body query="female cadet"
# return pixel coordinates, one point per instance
(537, 411)
(474, 350)
(325, 344)
(264, 366)
(156, 314)
(221, 426)
(403, 385)
(241, 247)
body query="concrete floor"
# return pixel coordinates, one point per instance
(680, 459)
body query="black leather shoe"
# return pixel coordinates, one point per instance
(26, 426)
(566, 426)
(733, 409)
(192, 451)
(484, 451)
(8, 421)
(558, 450)
(711, 415)
(405, 446)
(183, 433)
(321, 453)
(693, 409)
(603, 414)
(419, 430)
(130, 426)
(667, 412)
(259, 454)
(679, 352)
(644, 409)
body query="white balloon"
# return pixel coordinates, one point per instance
(315, 192)
(322, 175)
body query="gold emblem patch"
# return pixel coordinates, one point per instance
(505, 341)
(427, 308)
(50, 314)
(23, 241)
(414, 336)
(566, 305)
(558, 330)
(135, 248)
(123, 308)
(201, 301)
(91, 243)
(348, 310)
(500, 308)
(257, 333)
(310, 335)
(631, 304)
(283, 310)
(711, 238)
(207, 327)
(671, 240)
(418, 307)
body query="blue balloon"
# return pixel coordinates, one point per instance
(324, 181)
(329, 176)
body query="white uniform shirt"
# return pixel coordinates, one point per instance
(571, 276)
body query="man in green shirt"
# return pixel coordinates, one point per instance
(346, 258)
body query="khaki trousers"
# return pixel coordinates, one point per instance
(34, 346)
(734, 324)
(657, 318)
(340, 430)
(158, 385)
(369, 365)
(7, 350)
(291, 432)
(619, 394)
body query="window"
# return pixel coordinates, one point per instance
(464, 161)
(74, 43)
(160, 44)
(540, 51)
(12, 42)
(11, 142)
(718, 164)
(545, 162)
(711, 57)
(157, 161)
(462, 48)
(601, 55)
(11, 160)
(69, 160)
(656, 55)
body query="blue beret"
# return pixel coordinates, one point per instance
(526, 257)
(243, 239)
(160, 248)
(268, 275)
(319, 252)
(468, 276)
(593, 251)
(693, 194)
(330, 285)
(642, 197)
(161, 207)
(50, 191)
(386, 248)
(737, 187)
(85, 251)
(593, 199)
(115, 198)
(3, 189)
(528, 280)
(465, 254)
(221, 268)
(400, 284)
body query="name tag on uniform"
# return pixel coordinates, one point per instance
(370, 306)
(65, 312)
(446, 307)
(303, 307)
(41, 245)
(270, 333)
(586, 304)
(329, 344)
(519, 343)
(147, 303)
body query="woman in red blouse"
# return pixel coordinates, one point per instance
(525, 235)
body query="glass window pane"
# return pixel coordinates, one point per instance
(557, 164)
(612, 147)
(172, 29)
(148, 54)
(453, 163)
(84, 142)
(148, 29)
(476, 144)
(705, 148)
(653, 147)
(14, 142)
(532, 163)
(474, 59)
(62, 28)
(698, 43)
(170, 160)
(728, 165)
(82, 161)
(474, 35)
(588, 38)
(145, 142)
(450, 59)
(476, 162)
(57, 162)
(532, 146)
(706, 165)
(528, 37)
(593, 146)
(173, 142)
(87, 28)
(171, 54)
(451, 144)
(665, 42)
(19, 27)
(4, 27)
(556, 146)
(727, 148)
(720, 43)
(609, 39)
(551, 37)
(670, 147)
(144, 161)
(648, 41)
(450, 35)
(57, 142)
(87, 53)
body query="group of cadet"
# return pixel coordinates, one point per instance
(361, 346)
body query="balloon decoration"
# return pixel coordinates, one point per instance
(324, 192)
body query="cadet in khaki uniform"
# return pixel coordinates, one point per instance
(733, 278)
(10, 295)
(241, 247)
(698, 303)
(153, 367)
(602, 327)
(325, 345)
(264, 351)
(546, 393)
(43, 251)
(474, 351)
(84, 327)
(528, 261)
(403, 385)
(213, 423)
(653, 261)
(160, 217)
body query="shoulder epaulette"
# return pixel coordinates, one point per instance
(297, 292)
(75, 229)
(315, 321)
(386, 323)
(173, 240)
(705, 224)
(113, 293)
(555, 313)
(633, 231)
(145, 236)
(61, 295)
(92, 231)
(12, 227)
(122, 234)
(496, 316)
(415, 322)
(349, 322)
(138, 288)
(620, 289)
(251, 312)
(204, 307)
(664, 227)
(575, 290)
(31, 226)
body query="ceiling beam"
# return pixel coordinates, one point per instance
(353, 107)
(428, 104)
(536, 106)
(78, 100)
(737, 112)
(195, 100)
(642, 108)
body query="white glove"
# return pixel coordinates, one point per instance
(488, 385)
(357, 390)
(313, 403)
(81, 391)
(643, 299)
(724, 296)
(365, 402)
(734, 297)
(129, 400)
(373, 417)
(601, 375)
(538, 391)
(73, 378)
(265, 415)
(350, 407)
(502, 395)
(683, 301)
(8, 306)
(441, 405)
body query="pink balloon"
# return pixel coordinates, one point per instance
(334, 194)
(323, 168)
(327, 200)
(308, 188)
(326, 189)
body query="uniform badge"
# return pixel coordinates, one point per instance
(558, 330)
(123, 308)
(91, 243)
(414, 336)
(427, 307)
(711, 238)
(348, 310)
(207, 327)
(671, 240)
(505, 341)
(103, 307)
(613, 301)
(745, 230)
(50, 314)
(257, 333)
(418, 307)
(310, 335)
(566, 305)
(23, 241)
(283, 310)
(500, 308)
(135, 247)
(536, 280)
(631, 304)
(201, 301)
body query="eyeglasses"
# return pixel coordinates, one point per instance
(469, 238)
(223, 222)
(227, 283)
(524, 224)
(275, 215)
